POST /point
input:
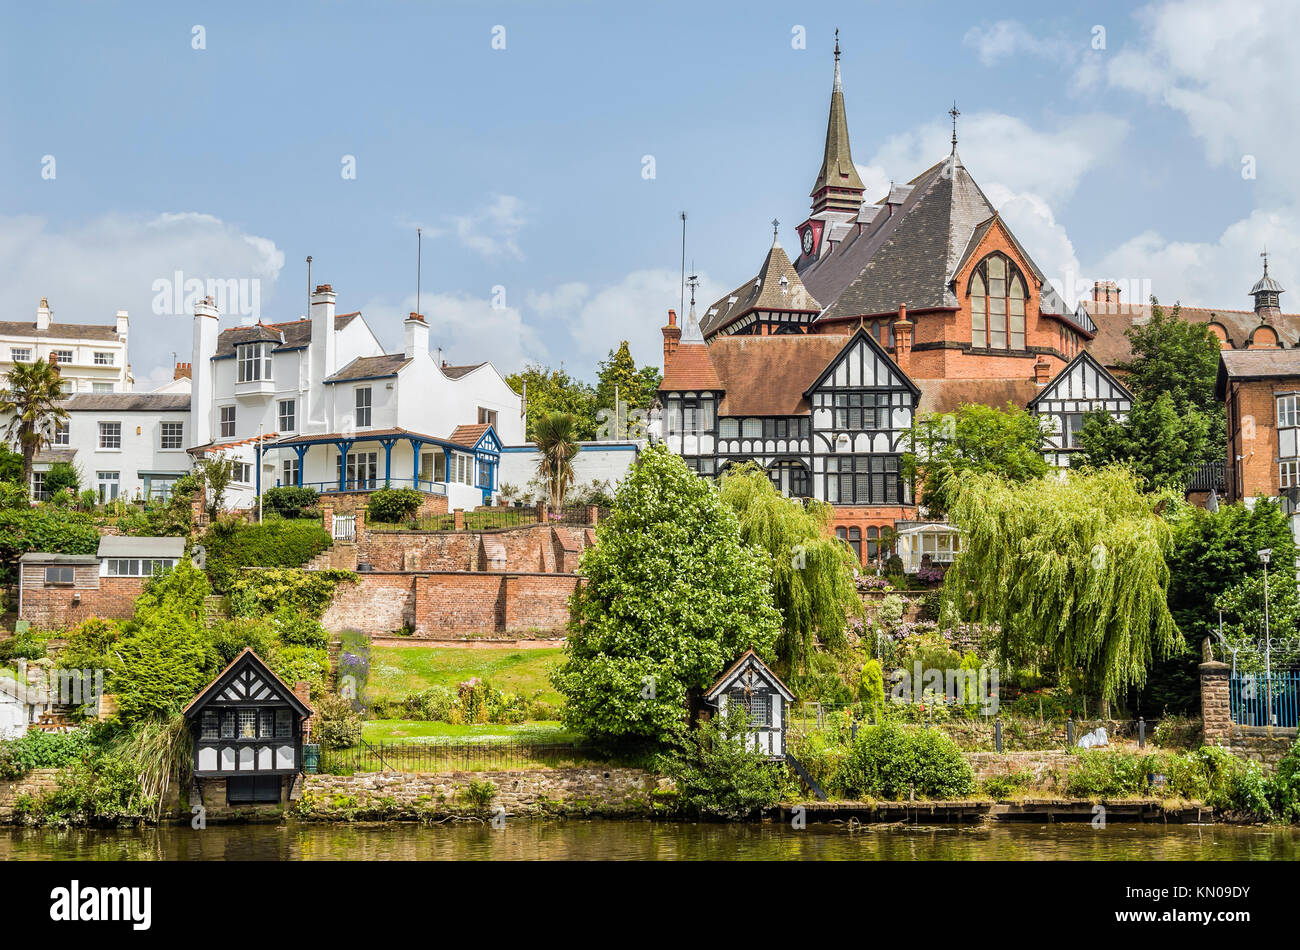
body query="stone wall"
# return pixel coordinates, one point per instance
(521, 792)
(36, 783)
(452, 603)
(1047, 768)
(1257, 743)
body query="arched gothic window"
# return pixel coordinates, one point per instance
(997, 304)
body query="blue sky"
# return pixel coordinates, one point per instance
(524, 165)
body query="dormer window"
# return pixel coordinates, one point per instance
(254, 362)
(997, 305)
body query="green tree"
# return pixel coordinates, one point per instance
(671, 597)
(554, 390)
(1157, 444)
(32, 400)
(11, 466)
(635, 388)
(717, 774)
(215, 475)
(1243, 617)
(60, 476)
(557, 446)
(975, 438)
(812, 572)
(1175, 357)
(1071, 569)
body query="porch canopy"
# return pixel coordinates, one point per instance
(344, 442)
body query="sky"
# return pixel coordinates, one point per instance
(547, 151)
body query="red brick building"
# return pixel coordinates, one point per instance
(919, 302)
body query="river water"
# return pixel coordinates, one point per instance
(644, 840)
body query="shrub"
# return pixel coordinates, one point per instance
(232, 637)
(391, 505)
(298, 628)
(476, 794)
(24, 646)
(890, 612)
(232, 545)
(1102, 773)
(101, 789)
(871, 685)
(258, 593)
(717, 775)
(1284, 794)
(43, 528)
(289, 501)
(337, 725)
(41, 750)
(1002, 787)
(62, 476)
(297, 664)
(890, 762)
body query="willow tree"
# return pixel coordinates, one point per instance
(812, 571)
(1072, 569)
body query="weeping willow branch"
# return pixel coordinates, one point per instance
(812, 572)
(1072, 569)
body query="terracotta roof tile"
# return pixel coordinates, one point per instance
(690, 369)
(1111, 346)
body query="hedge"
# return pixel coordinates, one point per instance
(229, 547)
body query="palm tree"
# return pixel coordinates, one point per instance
(31, 401)
(556, 436)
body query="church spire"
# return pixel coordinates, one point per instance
(838, 187)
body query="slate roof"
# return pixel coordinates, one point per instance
(456, 372)
(1256, 364)
(55, 455)
(370, 367)
(121, 546)
(128, 402)
(1111, 345)
(764, 292)
(290, 335)
(58, 331)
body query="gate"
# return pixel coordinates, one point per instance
(345, 527)
(1265, 699)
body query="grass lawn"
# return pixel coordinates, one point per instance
(437, 732)
(398, 671)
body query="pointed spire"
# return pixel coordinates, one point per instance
(838, 186)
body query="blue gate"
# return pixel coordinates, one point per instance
(1259, 700)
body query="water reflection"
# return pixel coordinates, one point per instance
(597, 840)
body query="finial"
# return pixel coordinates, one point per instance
(1264, 254)
(837, 87)
(776, 225)
(692, 282)
(954, 112)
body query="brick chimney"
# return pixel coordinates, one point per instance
(672, 337)
(302, 690)
(1106, 293)
(903, 340)
(183, 371)
(1042, 371)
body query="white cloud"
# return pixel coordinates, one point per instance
(1007, 38)
(493, 230)
(90, 270)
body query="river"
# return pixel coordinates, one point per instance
(643, 840)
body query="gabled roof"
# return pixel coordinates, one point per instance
(223, 679)
(765, 292)
(908, 252)
(370, 367)
(859, 335)
(748, 660)
(769, 375)
(1085, 359)
(1256, 364)
(456, 372)
(1111, 345)
(471, 435)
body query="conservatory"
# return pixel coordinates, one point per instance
(940, 540)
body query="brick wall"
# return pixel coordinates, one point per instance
(1257, 743)
(54, 608)
(1047, 768)
(451, 604)
(521, 792)
(1252, 433)
(539, 548)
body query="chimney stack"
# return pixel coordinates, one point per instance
(207, 324)
(903, 340)
(417, 335)
(672, 337)
(123, 320)
(183, 371)
(43, 315)
(324, 350)
(1042, 371)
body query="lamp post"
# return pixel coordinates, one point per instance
(1264, 556)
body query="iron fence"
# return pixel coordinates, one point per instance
(1265, 699)
(416, 756)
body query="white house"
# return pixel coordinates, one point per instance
(91, 357)
(318, 402)
(125, 445)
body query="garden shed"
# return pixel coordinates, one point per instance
(751, 683)
(248, 728)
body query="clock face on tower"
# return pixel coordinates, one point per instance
(808, 240)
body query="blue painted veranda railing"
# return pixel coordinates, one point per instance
(1259, 700)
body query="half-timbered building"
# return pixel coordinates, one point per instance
(751, 684)
(1084, 386)
(915, 304)
(248, 729)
